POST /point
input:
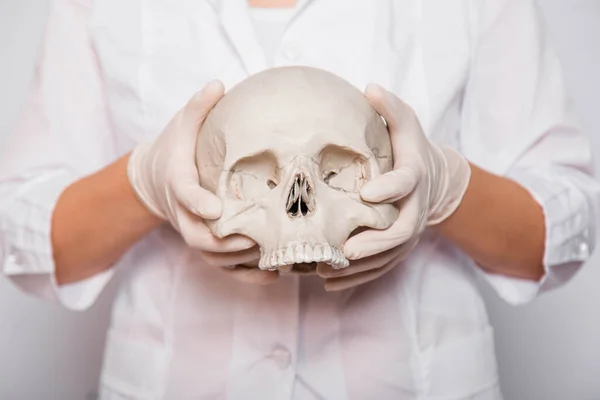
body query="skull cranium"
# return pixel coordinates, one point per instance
(287, 151)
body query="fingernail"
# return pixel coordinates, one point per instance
(351, 253)
(209, 215)
(373, 89)
(247, 243)
(198, 94)
(212, 85)
(212, 210)
(368, 192)
(207, 88)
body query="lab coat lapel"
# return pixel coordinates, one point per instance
(234, 17)
(301, 6)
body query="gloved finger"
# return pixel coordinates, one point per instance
(381, 102)
(373, 241)
(392, 186)
(197, 235)
(234, 258)
(198, 107)
(347, 282)
(251, 275)
(184, 179)
(390, 107)
(365, 264)
(192, 196)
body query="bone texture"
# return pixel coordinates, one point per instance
(287, 151)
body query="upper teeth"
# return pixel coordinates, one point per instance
(296, 253)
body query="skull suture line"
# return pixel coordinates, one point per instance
(287, 151)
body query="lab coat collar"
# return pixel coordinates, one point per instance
(234, 16)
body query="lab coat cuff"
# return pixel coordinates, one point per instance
(29, 261)
(568, 242)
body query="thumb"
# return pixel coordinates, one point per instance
(391, 186)
(194, 197)
(384, 103)
(198, 107)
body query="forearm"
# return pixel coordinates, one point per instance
(499, 225)
(95, 221)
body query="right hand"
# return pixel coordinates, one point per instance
(164, 176)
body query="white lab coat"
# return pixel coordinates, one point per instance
(481, 76)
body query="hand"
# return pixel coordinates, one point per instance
(164, 176)
(428, 183)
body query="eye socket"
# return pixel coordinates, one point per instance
(253, 177)
(343, 168)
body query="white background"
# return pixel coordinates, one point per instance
(548, 350)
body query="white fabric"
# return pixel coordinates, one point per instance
(270, 25)
(482, 79)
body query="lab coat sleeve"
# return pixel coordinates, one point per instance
(62, 134)
(517, 122)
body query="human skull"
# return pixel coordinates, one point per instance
(287, 151)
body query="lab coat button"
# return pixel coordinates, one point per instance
(12, 264)
(583, 249)
(12, 258)
(282, 358)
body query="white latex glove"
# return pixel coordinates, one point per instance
(428, 183)
(164, 176)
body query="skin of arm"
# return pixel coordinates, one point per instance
(499, 225)
(95, 221)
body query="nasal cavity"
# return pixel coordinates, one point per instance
(300, 200)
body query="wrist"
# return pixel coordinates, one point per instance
(453, 181)
(140, 184)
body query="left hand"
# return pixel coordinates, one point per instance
(427, 183)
